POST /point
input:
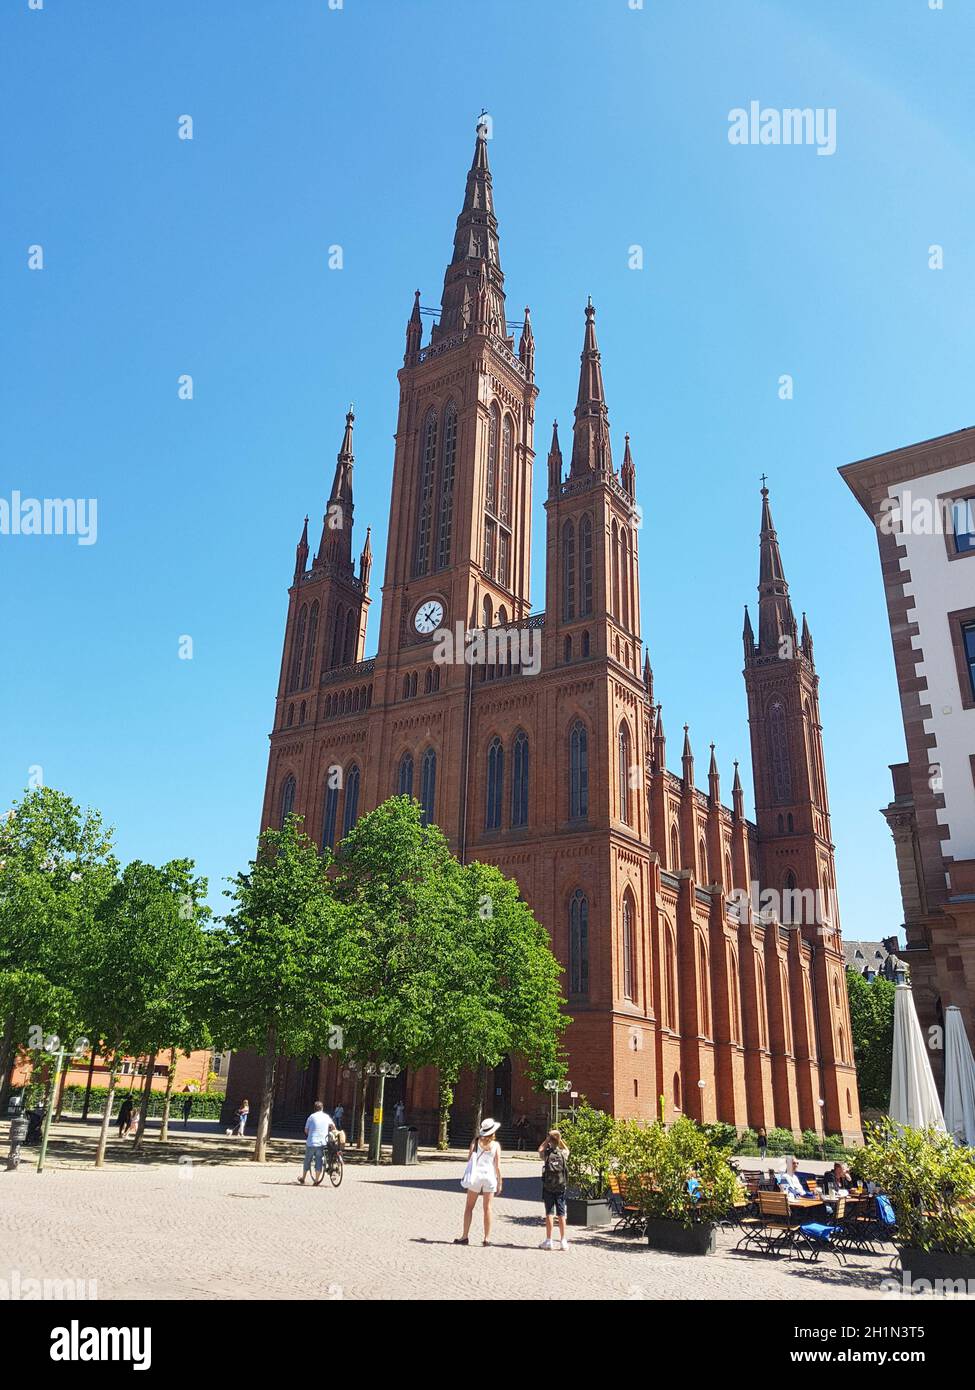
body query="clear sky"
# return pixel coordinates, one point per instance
(315, 126)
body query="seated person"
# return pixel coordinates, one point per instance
(840, 1180)
(770, 1183)
(790, 1182)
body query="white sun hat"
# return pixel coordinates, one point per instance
(488, 1127)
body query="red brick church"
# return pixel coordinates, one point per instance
(548, 758)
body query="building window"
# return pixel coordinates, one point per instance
(495, 785)
(288, 798)
(614, 598)
(330, 816)
(299, 649)
(448, 464)
(504, 559)
(670, 978)
(585, 545)
(778, 745)
(568, 572)
(629, 949)
(506, 470)
(490, 547)
(966, 642)
(579, 943)
(567, 650)
(623, 746)
(310, 645)
(351, 799)
(519, 779)
(585, 643)
(428, 786)
(428, 460)
(404, 782)
(705, 986)
(963, 524)
(674, 849)
(491, 488)
(578, 772)
(291, 715)
(338, 636)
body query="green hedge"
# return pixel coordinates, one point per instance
(205, 1107)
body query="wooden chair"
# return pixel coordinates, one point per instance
(629, 1216)
(777, 1222)
(815, 1237)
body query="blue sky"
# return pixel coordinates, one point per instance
(315, 126)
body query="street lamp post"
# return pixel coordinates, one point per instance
(382, 1070)
(50, 1108)
(554, 1088)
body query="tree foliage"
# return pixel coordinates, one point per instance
(872, 1024)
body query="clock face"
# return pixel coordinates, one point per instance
(429, 616)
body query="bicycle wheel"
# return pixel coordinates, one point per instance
(335, 1171)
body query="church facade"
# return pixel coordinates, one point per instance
(703, 960)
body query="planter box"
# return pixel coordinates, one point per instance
(588, 1211)
(698, 1239)
(935, 1264)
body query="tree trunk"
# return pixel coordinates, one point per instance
(267, 1096)
(91, 1073)
(8, 1052)
(445, 1101)
(64, 1081)
(480, 1081)
(360, 1138)
(144, 1102)
(106, 1115)
(170, 1078)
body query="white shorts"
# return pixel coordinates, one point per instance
(480, 1185)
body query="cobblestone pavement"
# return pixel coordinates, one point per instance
(207, 1223)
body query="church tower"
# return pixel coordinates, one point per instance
(795, 847)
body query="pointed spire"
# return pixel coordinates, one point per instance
(336, 544)
(748, 637)
(301, 552)
(414, 333)
(714, 781)
(687, 760)
(554, 463)
(475, 252)
(526, 345)
(365, 560)
(775, 617)
(627, 471)
(648, 676)
(807, 642)
(659, 741)
(591, 452)
(737, 796)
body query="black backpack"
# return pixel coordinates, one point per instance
(554, 1170)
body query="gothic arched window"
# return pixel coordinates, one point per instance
(404, 781)
(491, 488)
(778, 746)
(424, 506)
(585, 546)
(625, 759)
(338, 636)
(579, 943)
(288, 798)
(624, 578)
(734, 1015)
(348, 651)
(351, 813)
(507, 451)
(670, 981)
(568, 572)
(495, 785)
(428, 786)
(705, 987)
(448, 463)
(629, 949)
(702, 854)
(615, 593)
(674, 849)
(330, 814)
(519, 779)
(310, 647)
(299, 648)
(578, 771)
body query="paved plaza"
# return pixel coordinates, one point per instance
(205, 1223)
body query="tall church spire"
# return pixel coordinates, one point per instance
(337, 528)
(591, 451)
(775, 617)
(476, 258)
(554, 462)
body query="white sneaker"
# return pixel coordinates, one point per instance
(546, 1245)
(565, 1245)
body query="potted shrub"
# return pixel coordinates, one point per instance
(680, 1179)
(931, 1184)
(588, 1134)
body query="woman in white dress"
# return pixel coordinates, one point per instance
(482, 1178)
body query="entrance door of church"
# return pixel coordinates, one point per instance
(501, 1099)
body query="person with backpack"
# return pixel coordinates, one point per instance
(555, 1180)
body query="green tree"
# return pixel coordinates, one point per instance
(56, 865)
(274, 960)
(872, 1024)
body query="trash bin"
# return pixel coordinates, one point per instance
(404, 1144)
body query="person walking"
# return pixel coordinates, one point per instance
(318, 1130)
(187, 1105)
(762, 1142)
(555, 1179)
(242, 1113)
(399, 1114)
(125, 1117)
(482, 1178)
(338, 1115)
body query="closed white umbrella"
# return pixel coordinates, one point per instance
(913, 1094)
(959, 1079)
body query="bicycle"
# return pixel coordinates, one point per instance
(334, 1166)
